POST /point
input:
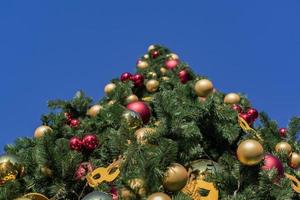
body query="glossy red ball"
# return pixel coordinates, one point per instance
(171, 64)
(125, 76)
(155, 54)
(283, 132)
(82, 170)
(90, 142)
(183, 76)
(141, 108)
(75, 143)
(138, 79)
(246, 117)
(68, 116)
(237, 108)
(74, 123)
(253, 113)
(272, 162)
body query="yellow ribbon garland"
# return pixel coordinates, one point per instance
(295, 183)
(245, 126)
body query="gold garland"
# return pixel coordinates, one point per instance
(247, 129)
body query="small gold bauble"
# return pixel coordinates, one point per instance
(294, 161)
(142, 64)
(41, 131)
(94, 110)
(126, 194)
(203, 87)
(10, 168)
(131, 98)
(152, 75)
(146, 56)
(35, 196)
(159, 196)
(284, 147)
(175, 177)
(163, 71)
(142, 133)
(109, 88)
(250, 152)
(165, 78)
(173, 56)
(132, 119)
(151, 47)
(232, 98)
(152, 85)
(46, 171)
(138, 186)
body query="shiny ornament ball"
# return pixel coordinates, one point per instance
(94, 110)
(253, 113)
(46, 171)
(109, 88)
(152, 75)
(284, 147)
(41, 131)
(272, 162)
(155, 54)
(171, 64)
(125, 76)
(97, 196)
(183, 76)
(237, 108)
(131, 98)
(90, 142)
(132, 119)
(203, 87)
(159, 196)
(163, 71)
(137, 79)
(10, 168)
(142, 64)
(173, 56)
(232, 98)
(75, 143)
(142, 134)
(82, 170)
(152, 85)
(142, 109)
(74, 123)
(146, 56)
(175, 177)
(126, 194)
(283, 132)
(250, 152)
(138, 186)
(294, 160)
(246, 117)
(68, 116)
(151, 47)
(165, 78)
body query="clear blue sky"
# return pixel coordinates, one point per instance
(51, 49)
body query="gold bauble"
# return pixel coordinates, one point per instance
(175, 177)
(142, 64)
(173, 56)
(232, 98)
(146, 56)
(151, 47)
(152, 85)
(163, 71)
(46, 171)
(41, 131)
(152, 75)
(159, 196)
(94, 110)
(138, 186)
(109, 88)
(203, 87)
(283, 147)
(132, 119)
(35, 196)
(142, 133)
(165, 78)
(131, 98)
(294, 161)
(10, 168)
(250, 152)
(126, 194)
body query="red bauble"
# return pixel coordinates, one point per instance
(253, 113)
(90, 142)
(82, 170)
(272, 162)
(68, 116)
(74, 123)
(282, 132)
(138, 79)
(142, 109)
(171, 64)
(246, 117)
(75, 143)
(155, 54)
(237, 108)
(125, 76)
(183, 76)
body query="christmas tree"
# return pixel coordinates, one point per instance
(163, 133)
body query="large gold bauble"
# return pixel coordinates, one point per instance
(131, 98)
(232, 98)
(284, 147)
(175, 177)
(10, 168)
(142, 64)
(138, 186)
(109, 88)
(41, 131)
(94, 110)
(203, 87)
(250, 152)
(35, 196)
(152, 85)
(132, 119)
(294, 161)
(142, 133)
(126, 194)
(159, 196)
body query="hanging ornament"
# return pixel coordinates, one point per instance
(250, 152)
(82, 170)
(232, 98)
(294, 160)
(142, 133)
(142, 64)
(126, 194)
(90, 142)
(163, 70)
(171, 64)
(146, 56)
(74, 123)
(68, 116)
(159, 196)
(138, 186)
(35, 196)
(173, 56)
(114, 193)
(193, 189)
(137, 79)
(151, 47)
(109, 88)
(132, 119)
(96, 195)
(283, 147)
(46, 171)
(152, 75)
(155, 54)
(203, 87)
(10, 168)
(75, 143)
(94, 110)
(142, 109)
(237, 108)
(152, 85)
(165, 78)
(131, 98)
(253, 113)
(41, 131)
(183, 76)
(272, 162)
(246, 117)
(175, 177)
(125, 76)
(282, 132)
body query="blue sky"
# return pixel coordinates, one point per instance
(51, 49)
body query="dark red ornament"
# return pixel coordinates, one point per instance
(253, 113)
(125, 76)
(171, 64)
(137, 79)
(272, 162)
(82, 170)
(114, 192)
(68, 116)
(246, 117)
(75, 143)
(142, 109)
(155, 54)
(90, 142)
(74, 123)
(282, 132)
(183, 76)
(237, 108)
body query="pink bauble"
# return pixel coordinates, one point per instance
(74, 123)
(125, 76)
(272, 162)
(183, 76)
(171, 64)
(90, 142)
(141, 108)
(237, 108)
(75, 143)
